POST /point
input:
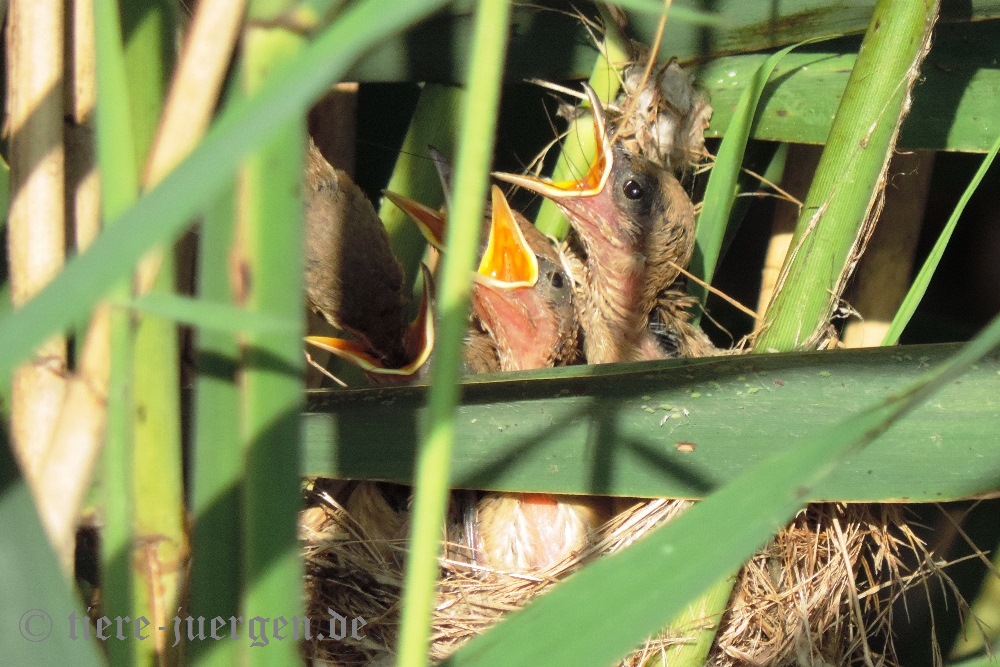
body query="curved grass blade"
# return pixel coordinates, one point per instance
(722, 183)
(923, 279)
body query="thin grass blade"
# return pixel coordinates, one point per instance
(923, 279)
(119, 188)
(475, 151)
(210, 314)
(721, 189)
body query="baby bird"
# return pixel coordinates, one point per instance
(353, 279)
(523, 301)
(635, 224)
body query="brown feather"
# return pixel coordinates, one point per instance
(352, 277)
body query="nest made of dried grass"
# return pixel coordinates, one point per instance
(820, 592)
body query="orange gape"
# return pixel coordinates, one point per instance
(507, 258)
(593, 180)
(635, 223)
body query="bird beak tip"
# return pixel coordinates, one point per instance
(348, 350)
(419, 336)
(592, 182)
(430, 222)
(418, 341)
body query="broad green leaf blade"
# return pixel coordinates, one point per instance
(953, 103)
(548, 44)
(555, 46)
(678, 12)
(617, 601)
(753, 26)
(163, 212)
(614, 429)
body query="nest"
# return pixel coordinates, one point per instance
(664, 116)
(820, 593)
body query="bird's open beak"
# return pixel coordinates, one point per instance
(418, 341)
(429, 221)
(508, 262)
(504, 297)
(594, 178)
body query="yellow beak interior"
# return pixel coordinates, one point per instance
(593, 180)
(508, 261)
(597, 173)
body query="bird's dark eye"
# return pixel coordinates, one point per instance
(557, 280)
(632, 189)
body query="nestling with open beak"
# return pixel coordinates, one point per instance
(635, 224)
(355, 282)
(523, 300)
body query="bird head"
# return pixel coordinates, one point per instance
(417, 342)
(523, 298)
(521, 295)
(623, 205)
